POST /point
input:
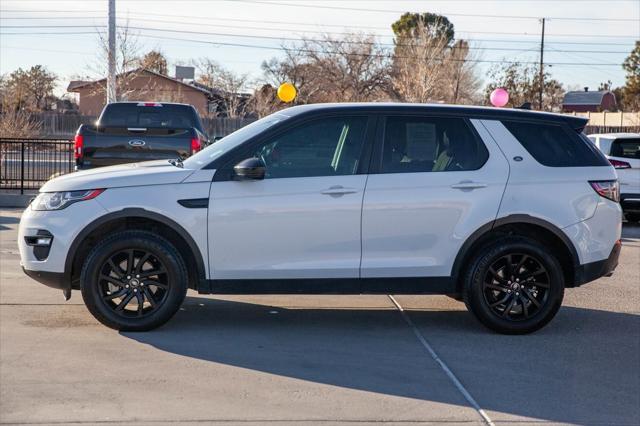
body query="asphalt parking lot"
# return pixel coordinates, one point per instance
(318, 359)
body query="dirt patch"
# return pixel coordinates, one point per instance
(62, 319)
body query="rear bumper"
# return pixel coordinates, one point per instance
(630, 202)
(602, 268)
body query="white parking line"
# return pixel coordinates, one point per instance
(442, 365)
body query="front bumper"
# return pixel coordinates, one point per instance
(48, 265)
(50, 279)
(602, 268)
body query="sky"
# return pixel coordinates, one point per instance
(586, 41)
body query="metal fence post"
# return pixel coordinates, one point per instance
(22, 168)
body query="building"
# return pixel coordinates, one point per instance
(589, 101)
(149, 86)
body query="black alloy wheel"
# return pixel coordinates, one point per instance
(516, 286)
(133, 282)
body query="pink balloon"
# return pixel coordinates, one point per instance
(499, 97)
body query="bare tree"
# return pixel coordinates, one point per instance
(522, 81)
(155, 61)
(225, 84)
(353, 68)
(128, 54)
(295, 69)
(420, 68)
(428, 66)
(264, 101)
(15, 124)
(28, 89)
(18, 124)
(464, 82)
(350, 69)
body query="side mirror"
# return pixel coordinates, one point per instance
(250, 169)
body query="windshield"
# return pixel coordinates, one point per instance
(224, 145)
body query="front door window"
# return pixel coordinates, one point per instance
(325, 147)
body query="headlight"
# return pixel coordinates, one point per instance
(61, 200)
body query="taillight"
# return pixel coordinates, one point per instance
(617, 164)
(195, 145)
(78, 144)
(607, 188)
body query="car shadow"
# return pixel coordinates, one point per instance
(582, 368)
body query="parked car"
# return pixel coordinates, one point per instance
(623, 151)
(502, 208)
(128, 132)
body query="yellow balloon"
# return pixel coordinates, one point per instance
(287, 92)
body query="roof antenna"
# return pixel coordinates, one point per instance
(526, 105)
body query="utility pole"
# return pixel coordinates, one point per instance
(111, 55)
(541, 78)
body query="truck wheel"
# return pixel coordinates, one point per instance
(133, 281)
(514, 285)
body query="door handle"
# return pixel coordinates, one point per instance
(467, 184)
(339, 190)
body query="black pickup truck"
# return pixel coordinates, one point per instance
(128, 132)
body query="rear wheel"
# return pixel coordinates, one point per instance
(133, 281)
(514, 286)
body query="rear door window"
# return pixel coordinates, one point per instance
(554, 146)
(414, 144)
(626, 148)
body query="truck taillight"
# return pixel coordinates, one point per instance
(195, 145)
(607, 188)
(78, 144)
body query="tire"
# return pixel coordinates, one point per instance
(489, 288)
(632, 217)
(138, 297)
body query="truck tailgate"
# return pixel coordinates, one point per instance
(113, 145)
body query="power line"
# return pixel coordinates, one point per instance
(320, 40)
(466, 32)
(284, 49)
(282, 38)
(310, 24)
(51, 33)
(32, 18)
(71, 52)
(316, 6)
(319, 32)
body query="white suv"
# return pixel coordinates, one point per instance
(623, 151)
(501, 208)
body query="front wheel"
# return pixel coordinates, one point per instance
(133, 281)
(514, 285)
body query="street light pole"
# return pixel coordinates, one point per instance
(111, 55)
